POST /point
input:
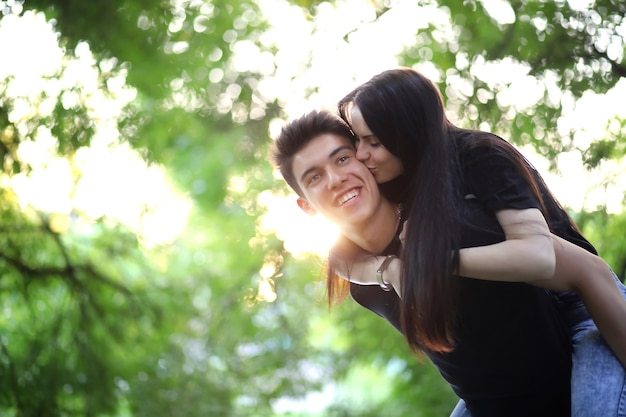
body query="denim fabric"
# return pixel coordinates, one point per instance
(460, 410)
(598, 378)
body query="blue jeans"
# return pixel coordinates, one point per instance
(460, 410)
(598, 378)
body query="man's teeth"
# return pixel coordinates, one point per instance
(348, 196)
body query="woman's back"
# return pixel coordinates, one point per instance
(512, 353)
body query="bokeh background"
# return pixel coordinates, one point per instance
(152, 263)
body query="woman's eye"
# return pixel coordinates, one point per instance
(374, 142)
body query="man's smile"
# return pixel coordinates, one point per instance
(348, 196)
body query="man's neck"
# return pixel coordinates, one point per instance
(376, 235)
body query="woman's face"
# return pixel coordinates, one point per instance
(384, 165)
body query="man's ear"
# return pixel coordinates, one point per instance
(306, 207)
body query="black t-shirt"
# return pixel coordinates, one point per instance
(492, 181)
(513, 353)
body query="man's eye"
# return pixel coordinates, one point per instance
(342, 159)
(314, 178)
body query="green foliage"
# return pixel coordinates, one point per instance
(63, 296)
(72, 126)
(548, 36)
(605, 231)
(95, 323)
(574, 48)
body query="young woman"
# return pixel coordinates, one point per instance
(478, 209)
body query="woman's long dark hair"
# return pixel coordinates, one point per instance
(405, 111)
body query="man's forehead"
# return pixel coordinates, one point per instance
(329, 139)
(322, 147)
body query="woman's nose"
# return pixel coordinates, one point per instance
(362, 154)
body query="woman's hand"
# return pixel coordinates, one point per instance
(402, 235)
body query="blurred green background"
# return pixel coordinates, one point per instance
(151, 261)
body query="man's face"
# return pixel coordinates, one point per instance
(334, 183)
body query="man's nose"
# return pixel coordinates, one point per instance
(361, 153)
(336, 177)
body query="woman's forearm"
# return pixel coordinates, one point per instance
(590, 276)
(363, 271)
(607, 308)
(525, 255)
(516, 260)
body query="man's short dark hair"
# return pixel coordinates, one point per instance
(295, 135)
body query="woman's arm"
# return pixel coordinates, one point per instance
(363, 271)
(527, 254)
(590, 277)
(534, 255)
